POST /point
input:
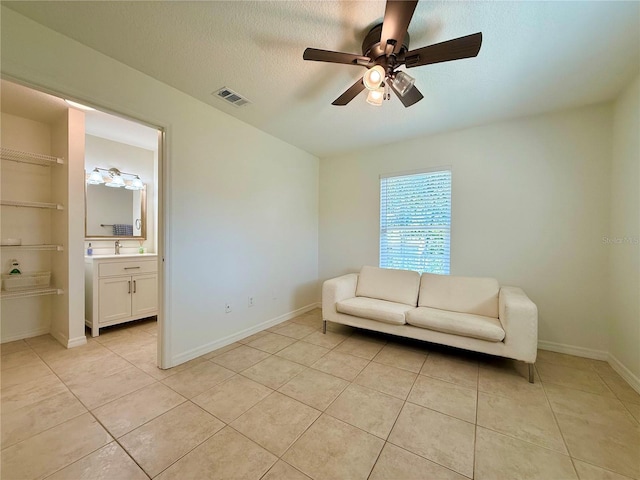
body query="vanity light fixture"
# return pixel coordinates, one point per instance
(136, 184)
(95, 178)
(116, 180)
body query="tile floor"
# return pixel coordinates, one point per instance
(292, 403)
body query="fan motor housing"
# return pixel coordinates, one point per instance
(372, 48)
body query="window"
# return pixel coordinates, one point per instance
(415, 221)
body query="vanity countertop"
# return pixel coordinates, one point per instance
(121, 255)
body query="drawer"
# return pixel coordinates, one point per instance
(127, 268)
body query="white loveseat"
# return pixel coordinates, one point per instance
(465, 312)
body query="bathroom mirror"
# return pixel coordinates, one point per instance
(115, 212)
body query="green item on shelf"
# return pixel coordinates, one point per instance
(16, 268)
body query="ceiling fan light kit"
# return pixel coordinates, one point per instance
(386, 48)
(403, 82)
(375, 97)
(374, 77)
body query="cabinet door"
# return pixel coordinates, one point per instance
(144, 300)
(114, 299)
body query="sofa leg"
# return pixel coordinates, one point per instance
(324, 326)
(530, 372)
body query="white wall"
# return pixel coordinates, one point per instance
(623, 238)
(530, 203)
(242, 206)
(67, 188)
(105, 153)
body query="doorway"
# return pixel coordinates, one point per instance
(58, 223)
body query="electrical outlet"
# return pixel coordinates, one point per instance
(250, 302)
(227, 308)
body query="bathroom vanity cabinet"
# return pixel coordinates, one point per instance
(119, 288)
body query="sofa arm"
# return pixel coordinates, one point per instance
(335, 290)
(519, 318)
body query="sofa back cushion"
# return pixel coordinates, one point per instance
(475, 295)
(400, 286)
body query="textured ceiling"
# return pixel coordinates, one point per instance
(535, 57)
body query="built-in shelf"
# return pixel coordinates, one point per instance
(36, 292)
(59, 248)
(53, 206)
(31, 158)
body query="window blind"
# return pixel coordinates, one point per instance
(415, 221)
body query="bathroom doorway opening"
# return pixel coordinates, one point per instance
(103, 171)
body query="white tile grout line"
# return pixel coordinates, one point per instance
(386, 439)
(240, 433)
(322, 412)
(573, 459)
(187, 400)
(564, 441)
(229, 424)
(90, 412)
(475, 426)
(624, 404)
(195, 446)
(237, 373)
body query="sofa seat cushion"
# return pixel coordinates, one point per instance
(463, 324)
(475, 295)
(399, 286)
(375, 309)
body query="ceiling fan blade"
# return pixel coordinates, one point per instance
(397, 15)
(351, 93)
(411, 97)
(456, 49)
(335, 57)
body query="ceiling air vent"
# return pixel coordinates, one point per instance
(232, 97)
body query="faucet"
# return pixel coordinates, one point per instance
(118, 247)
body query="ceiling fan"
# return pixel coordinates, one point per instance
(386, 48)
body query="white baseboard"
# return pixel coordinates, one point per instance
(23, 335)
(573, 350)
(616, 364)
(625, 373)
(63, 339)
(77, 341)
(69, 342)
(223, 342)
